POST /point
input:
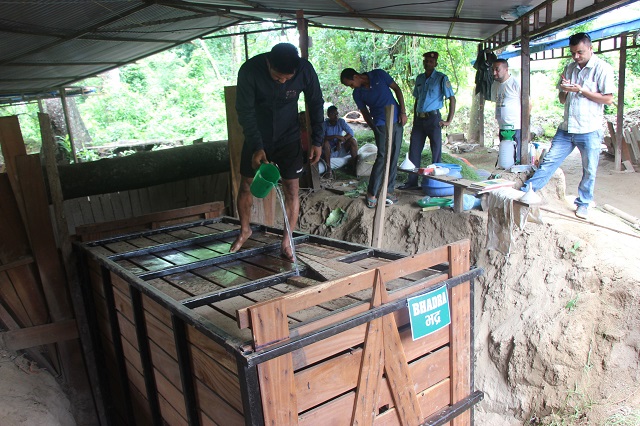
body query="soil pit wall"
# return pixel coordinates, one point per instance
(557, 321)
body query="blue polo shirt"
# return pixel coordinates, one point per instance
(431, 92)
(377, 96)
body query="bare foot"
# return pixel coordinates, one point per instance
(237, 244)
(285, 250)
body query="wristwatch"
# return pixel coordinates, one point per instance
(580, 91)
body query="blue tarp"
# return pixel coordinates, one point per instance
(599, 34)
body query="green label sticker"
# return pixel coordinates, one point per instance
(429, 312)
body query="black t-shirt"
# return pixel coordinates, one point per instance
(268, 110)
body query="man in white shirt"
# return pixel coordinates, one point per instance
(505, 92)
(585, 86)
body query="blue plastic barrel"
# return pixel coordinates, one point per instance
(436, 188)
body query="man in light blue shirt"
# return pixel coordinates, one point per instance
(431, 89)
(338, 139)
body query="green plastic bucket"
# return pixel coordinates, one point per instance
(267, 176)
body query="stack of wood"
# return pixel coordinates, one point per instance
(630, 148)
(36, 311)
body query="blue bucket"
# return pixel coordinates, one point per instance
(436, 188)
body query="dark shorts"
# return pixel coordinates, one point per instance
(287, 157)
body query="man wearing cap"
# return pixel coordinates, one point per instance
(269, 86)
(431, 89)
(505, 92)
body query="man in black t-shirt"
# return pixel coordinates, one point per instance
(269, 86)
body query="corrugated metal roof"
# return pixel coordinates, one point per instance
(45, 45)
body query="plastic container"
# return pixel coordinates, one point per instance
(267, 176)
(506, 154)
(532, 154)
(436, 188)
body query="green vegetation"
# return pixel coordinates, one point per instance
(179, 93)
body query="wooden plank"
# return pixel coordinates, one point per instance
(107, 207)
(277, 385)
(52, 275)
(635, 141)
(136, 206)
(378, 220)
(10, 324)
(25, 282)
(216, 208)
(23, 261)
(39, 335)
(396, 368)
(12, 146)
(332, 413)
(235, 142)
(371, 366)
(335, 376)
(327, 291)
(622, 148)
(14, 243)
(460, 302)
(627, 138)
(10, 299)
(216, 408)
(217, 378)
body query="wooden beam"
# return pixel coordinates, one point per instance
(12, 146)
(378, 220)
(460, 329)
(525, 92)
(11, 324)
(622, 66)
(39, 335)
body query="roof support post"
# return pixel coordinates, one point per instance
(303, 30)
(65, 110)
(246, 47)
(621, 83)
(525, 92)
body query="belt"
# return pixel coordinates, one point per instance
(428, 113)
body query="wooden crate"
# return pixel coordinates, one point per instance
(191, 334)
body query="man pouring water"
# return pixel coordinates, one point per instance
(269, 86)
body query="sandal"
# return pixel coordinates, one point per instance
(372, 202)
(391, 199)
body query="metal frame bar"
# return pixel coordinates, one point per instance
(196, 240)
(496, 41)
(298, 342)
(148, 232)
(454, 410)
(145, 355)
(216, 260)
(250, 393)
(218, 295)
(186, 371)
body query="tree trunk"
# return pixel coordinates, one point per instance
(143, 169)
(476, 120)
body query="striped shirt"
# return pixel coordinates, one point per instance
(582, 115)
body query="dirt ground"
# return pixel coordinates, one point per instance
(557, 332)
(557, 326)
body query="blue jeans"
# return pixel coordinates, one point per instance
(562, 145)
(377, 171)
